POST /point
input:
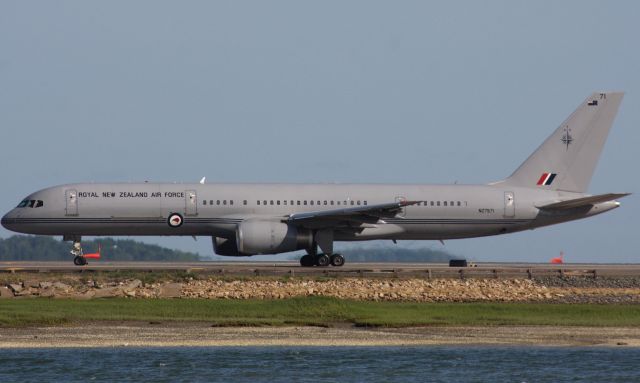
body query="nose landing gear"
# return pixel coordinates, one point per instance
(76, 251)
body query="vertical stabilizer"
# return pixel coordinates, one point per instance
(567, 159)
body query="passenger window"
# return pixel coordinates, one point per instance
(244, 202)
(284, 202)
(292, 203)
(438, 203)
(431, 203)
(305, 202)
(318, 203)
(365, 203)
(258, 202)
(338, 202)
(264, 202)
(352, 203)
(218, 202)
(278, 202)
(445, 203)
(325, 202)
(224, 202)
(204, 201)
(331, 203)
(271, 202)
(299, 203)
(451, 203)
(231, 202)
(459, 203)
(358, 203)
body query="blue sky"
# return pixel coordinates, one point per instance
(331, 91)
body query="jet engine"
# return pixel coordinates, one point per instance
(226, 247)
(271, 237)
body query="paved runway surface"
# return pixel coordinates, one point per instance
(427, 270)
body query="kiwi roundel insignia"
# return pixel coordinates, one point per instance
(175, 220)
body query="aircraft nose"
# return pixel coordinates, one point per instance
(7, 221)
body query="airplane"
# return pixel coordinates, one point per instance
(250, 219)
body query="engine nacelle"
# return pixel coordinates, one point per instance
(271, 237)
(226, 247)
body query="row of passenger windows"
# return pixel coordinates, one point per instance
(31, 203)
(305, 202)
(265, 202)
(287, 202)
(442, 203)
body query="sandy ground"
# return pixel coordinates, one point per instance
(195, 334)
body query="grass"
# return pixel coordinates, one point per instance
(316, 311)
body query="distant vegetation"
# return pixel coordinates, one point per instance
(396, 254)
(42, 248)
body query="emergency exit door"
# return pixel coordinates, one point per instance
(72, 202)
(509, 205)
(191, 203)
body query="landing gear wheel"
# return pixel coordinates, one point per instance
(337, 260)
(307, 261)
(79, 261)
(323, 260)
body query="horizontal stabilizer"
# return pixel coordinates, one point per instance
(584, 201)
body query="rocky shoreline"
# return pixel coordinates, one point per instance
(556, 289)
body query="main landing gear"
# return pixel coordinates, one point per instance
(76, 251)
(322, 260)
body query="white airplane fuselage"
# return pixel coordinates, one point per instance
(440, 212)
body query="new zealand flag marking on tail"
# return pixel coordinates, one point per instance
(546, 179)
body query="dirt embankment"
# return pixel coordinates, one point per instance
(557, 289)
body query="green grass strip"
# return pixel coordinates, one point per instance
(318, 311)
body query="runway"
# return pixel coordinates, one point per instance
(422, 270)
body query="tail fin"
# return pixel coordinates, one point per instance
(566, 160)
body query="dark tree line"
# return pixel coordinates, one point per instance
(43, 248)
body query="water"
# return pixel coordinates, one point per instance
(327, 364)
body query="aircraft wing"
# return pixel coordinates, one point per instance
(583, 201)
(350, 215)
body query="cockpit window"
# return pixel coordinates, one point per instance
(31, 203)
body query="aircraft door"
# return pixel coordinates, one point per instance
(71, 197)
(509, 205)
(191, 203)
(402, 212)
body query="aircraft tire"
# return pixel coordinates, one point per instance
(79, 261)
(307, 261)
(337, 260)
(323, 260)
